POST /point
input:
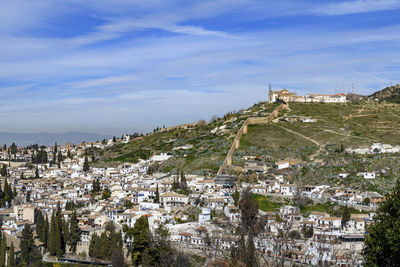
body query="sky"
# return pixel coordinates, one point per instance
(116, 66)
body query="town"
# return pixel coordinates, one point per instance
(68, 205)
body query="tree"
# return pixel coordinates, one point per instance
(86, 164)
(37, 172)
(74, 232)
(52, 237)
(59, 159)
(7, 191)
(157, 197)
(367, 201)
(106, 193)
(3, 249)
(45, 232)
(4, 170)
(96, 185)
(117, 258)
(39, 225)
(59, 236)
(104, 246)
(141, 239)
(183, 184)
(13, 149)
(28, 196)
(251, 224)
(345, 215)
(236, 197)
(307, 232)
(11, 257)
(382, 239)
(27, 245)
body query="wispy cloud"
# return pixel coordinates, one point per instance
(358, 6)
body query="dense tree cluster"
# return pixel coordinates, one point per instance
(57, 232)
(153, 249)
(6, 194)
(39, 156)
(29, 254)
(179, 184)
(108, 245)
(382, 239)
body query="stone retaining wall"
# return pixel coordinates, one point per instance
(243, 130)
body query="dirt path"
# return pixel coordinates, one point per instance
(348, 135)
(307, 138)
(356, 114)
(395, 115)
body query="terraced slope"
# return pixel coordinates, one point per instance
(336, 126)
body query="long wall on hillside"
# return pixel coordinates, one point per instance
(243, 130)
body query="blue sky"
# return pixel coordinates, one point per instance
(119, 66)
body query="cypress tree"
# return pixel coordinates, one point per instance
(28, 196)
(86, 164)
(11, 257)
(59, 159)
(65, 230)
(45, 232)
(3, 250)
(4, 170)
(6, 191)
(37, 172)
(27, 245)
(60, 245)
(39, 225)
(55, 154)
(52, 242)
(157, 197)
(74, 232)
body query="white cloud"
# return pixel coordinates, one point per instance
(357, 6)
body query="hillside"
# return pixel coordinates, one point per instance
(389, 94)
(336, 125)
(210, 143)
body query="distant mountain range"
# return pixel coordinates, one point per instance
(388, 94)
(48, 139)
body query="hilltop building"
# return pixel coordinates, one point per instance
(286, 96)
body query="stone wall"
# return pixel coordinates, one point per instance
(243, 130)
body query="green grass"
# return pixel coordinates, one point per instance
(325, 207)
(264, 203)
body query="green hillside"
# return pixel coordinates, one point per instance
(337, 126)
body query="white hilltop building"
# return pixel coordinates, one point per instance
(286, 96)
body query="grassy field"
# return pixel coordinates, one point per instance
(264, 203)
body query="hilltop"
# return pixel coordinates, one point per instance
(202, 149)
(389, 94)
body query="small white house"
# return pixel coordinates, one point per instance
(205, 215)
(282, 164)
(367, 175)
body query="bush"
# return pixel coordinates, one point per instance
(294, 234)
